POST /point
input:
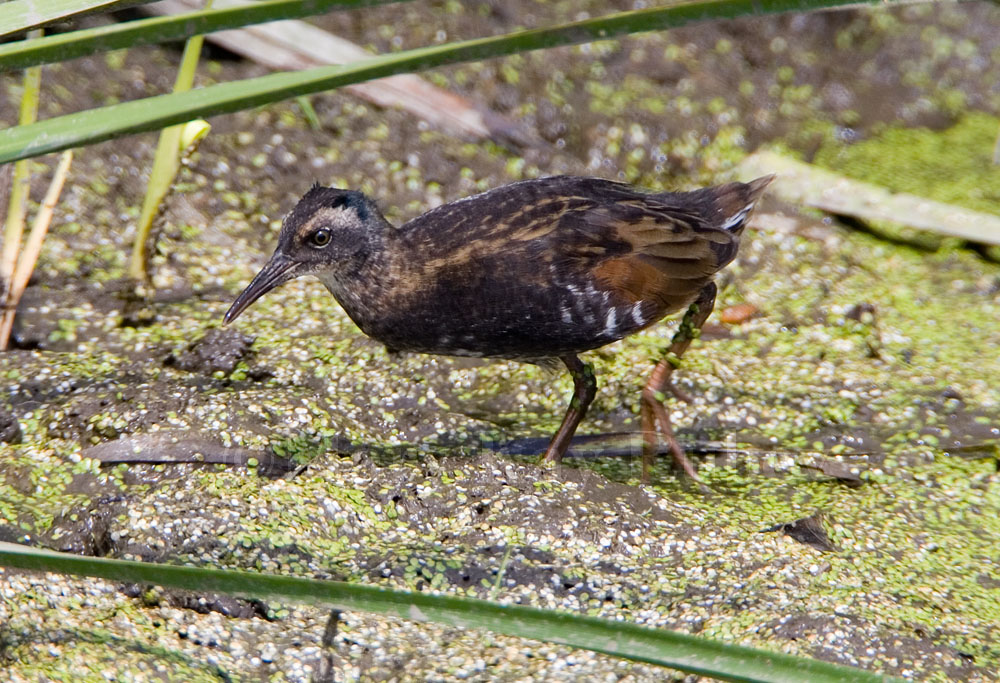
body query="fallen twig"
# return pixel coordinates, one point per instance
(801, 183)
(295, 45)
(33, 247)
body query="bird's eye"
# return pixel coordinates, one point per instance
(321, 238)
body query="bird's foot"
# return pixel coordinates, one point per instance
(552, 457)
(679, 393)
(656, 422)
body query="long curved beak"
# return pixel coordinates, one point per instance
(278, 270)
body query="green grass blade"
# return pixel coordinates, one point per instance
(65, 46)
(152, 113)
(166, 162)
(17, 204)
(656, 646)
(17, 16)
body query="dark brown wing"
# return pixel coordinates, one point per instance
(552, 266)
(674, 243)
(654, 253)
(510, 218)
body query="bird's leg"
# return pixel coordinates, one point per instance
(652, 412)
(584, 390)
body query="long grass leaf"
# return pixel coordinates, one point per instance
(17, 205)
(166, 161)
(17, 16)
(656, 646)
(64, 46)
(152, 113)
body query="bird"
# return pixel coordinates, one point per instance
(532, 271)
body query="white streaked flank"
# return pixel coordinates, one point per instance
(637, 314)
(611, 323)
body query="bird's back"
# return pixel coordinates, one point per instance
(556, 265)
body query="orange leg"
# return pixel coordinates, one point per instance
(584, 390)
(652, 412)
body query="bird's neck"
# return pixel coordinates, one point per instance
(360, 281)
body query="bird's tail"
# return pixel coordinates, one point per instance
(735, 201)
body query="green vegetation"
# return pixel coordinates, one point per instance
(409, 510)
(954, 165)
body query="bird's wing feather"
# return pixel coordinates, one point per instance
(645, 250)
(638, 246)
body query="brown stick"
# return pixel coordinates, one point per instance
(33, 247)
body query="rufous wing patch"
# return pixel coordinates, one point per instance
(635, 280)
(631, 279)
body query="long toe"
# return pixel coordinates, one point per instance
(666, 430)
(679, 393)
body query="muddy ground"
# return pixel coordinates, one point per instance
(861, 396)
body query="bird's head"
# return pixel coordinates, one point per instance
(327, 233)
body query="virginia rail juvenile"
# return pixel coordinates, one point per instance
(536, 270)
